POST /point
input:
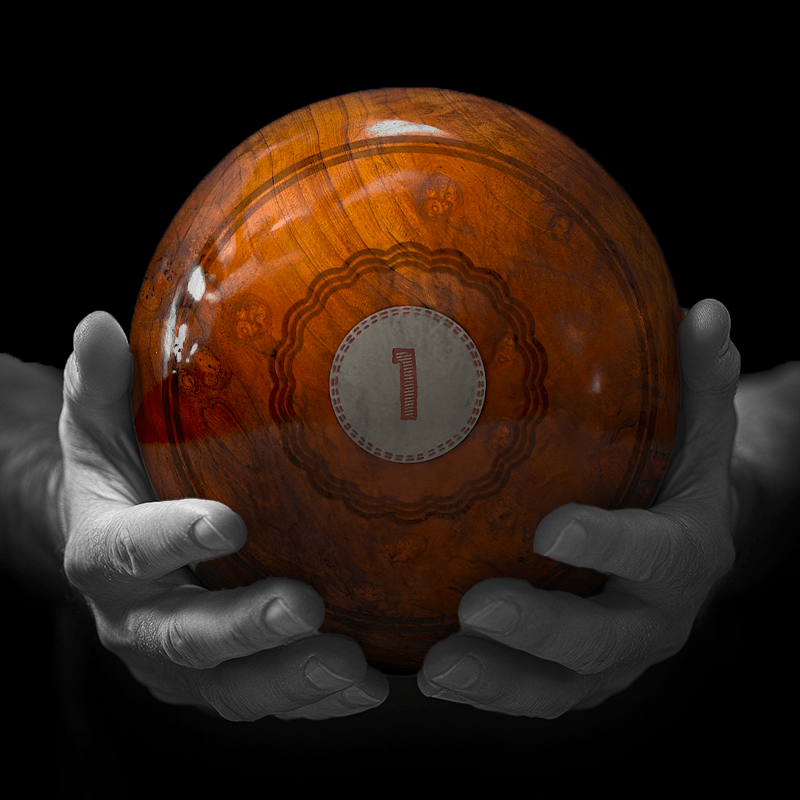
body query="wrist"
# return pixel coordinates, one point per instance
(32, 541)
(30, 472)
(764, 476)
(767, 442)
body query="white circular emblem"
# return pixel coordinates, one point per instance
(407, 384)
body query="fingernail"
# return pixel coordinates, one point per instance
(461, 675)
(281, 619)
(324, 678)
(206, 535)
(499, 617)
(356, 696)
(569, 544)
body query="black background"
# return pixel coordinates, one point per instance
(107, 141)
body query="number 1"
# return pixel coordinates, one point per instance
(407, 359)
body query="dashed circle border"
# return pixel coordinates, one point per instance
(440, 448)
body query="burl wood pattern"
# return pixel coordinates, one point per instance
(432, 200)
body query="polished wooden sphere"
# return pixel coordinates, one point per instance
(394, 330)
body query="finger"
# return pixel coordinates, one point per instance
(305, 674)
(143, 542)
(200, 629)
(669, 547)
(490, 676)
(666, 547)
(584, 635)
(633, 544)
(367, 694)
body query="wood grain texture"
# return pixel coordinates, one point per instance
(397, 198)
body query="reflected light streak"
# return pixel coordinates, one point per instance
(197, 283)
(399, 127)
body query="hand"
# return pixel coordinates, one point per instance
(525, 651)
(247, 652)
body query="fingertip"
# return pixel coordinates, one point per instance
(303, 600)
(371, 692)
(354, 698)
(611, 542)
(345, 657)
(218, 539)
(488, 590)
(707, 325)
(98, 331)
(709, 359)
(215, 526)
(710, 311)
(329, 661)
(100, 366)
(550, 533)
(458, 663)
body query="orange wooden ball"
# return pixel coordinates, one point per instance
(393, 331)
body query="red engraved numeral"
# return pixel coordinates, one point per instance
(406, 358)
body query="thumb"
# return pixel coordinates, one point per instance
(710, 362)
(639, 545)
(98, 441)
(98, 373)
(710, 365)
(636, 544)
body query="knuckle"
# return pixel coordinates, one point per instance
(650, 559)
(109, 636)
(707, 556)
(723, 558)
(86, 562)
(123, 553)
(98, 553)
(247, 631)
(732, 364)
(167, 695)
(624, 642)
(684, 563)
(596, 661)
(545, 636)
(228, 705)
(76, 569)
(179, 646)
(659, 562)
(146, 636)
(165, 639)
(596, 655)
